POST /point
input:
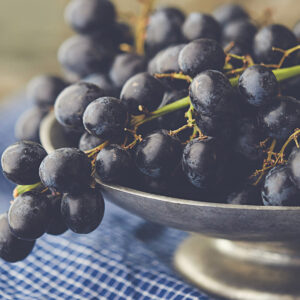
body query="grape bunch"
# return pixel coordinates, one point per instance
(200, 107)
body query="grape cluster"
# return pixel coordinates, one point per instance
(205, 110)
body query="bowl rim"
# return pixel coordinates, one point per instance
(45, 139)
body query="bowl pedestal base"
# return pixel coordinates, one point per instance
(241, 270)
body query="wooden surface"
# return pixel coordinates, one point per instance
(32, 30)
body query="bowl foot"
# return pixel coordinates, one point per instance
(238, 270)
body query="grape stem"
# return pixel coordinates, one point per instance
(21, 189)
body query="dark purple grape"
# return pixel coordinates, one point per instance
(28, 125)
(104, 83)
(199, 25)
(258, 85)
(158, 154)
(88, 142)
(125, 66)
(66, 170)
(12, 249)
(200, 55)
(44, 89)
(290, 87)
(70, 136)
(296, 31)
(21, 161)
(28, 216)
(72, 102)
(83, 212)
(175, 119)
(294, 167)
(241, 32)
(281, 118)
(163, 30)
(278, 189)
(88, 17)
(229, 12)
(248, 138)
(105, 118)
(83, 56)
(200, 162)
(114, 164)
(248, 195)
(142, 90)
(57, 224)
(212, 94)
(270, 36)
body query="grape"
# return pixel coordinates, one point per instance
(240, 32)
(158, 154)
(200, 55)
(212, 94)
(258, 85)
(124, 33)
(199, 25)
(21, 161)
(278, 189)
(165, 62)
(28, 125)
(72, 102)
(175, 119)
(273, 36)
(12, 249)
(248, 195)
(228, 13)
(83, 212)
(57, 224)
(83, 56)
(113, 164)
(125, 66)
(296, 31)
(248, 137)
(290, 87)
(44, 89)
(104, 83)
(66, 170)
(163, 30)
(294, 167)
(142, 89)
(87, 17)
(88, 142)
(28, 216)
(105, 118)
(200, 162)
(281, 118)
(70, 136)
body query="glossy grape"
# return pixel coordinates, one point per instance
(199, 25)
(87, 17)
(294, 167)
(113, 164)
(200, 55)
(72, 102)
(142, 90)
(44, 89)
(229, 12)
(158, 154)
(21, 161)
(83, 212)
(28, 216)
(296, 31)
(270, 36)
(258, 85)
(278, 189)
(66, 170)
(105, 118)
(212, 94)
(88, 142)
(12, 249)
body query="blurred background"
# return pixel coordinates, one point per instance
(32, 30)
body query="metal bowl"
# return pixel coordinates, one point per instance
(240, 252)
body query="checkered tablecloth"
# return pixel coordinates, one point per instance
(125, 258)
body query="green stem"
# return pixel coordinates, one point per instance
(286, 73)
(21, 189)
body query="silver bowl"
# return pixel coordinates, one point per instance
(234, 251)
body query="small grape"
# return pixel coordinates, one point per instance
(28, 216)
(66, 170)
(88, 142)
(83, 212)
(229, 12)
(21, 161)
(296, 30)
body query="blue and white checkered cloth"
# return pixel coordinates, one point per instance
(125, 258)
